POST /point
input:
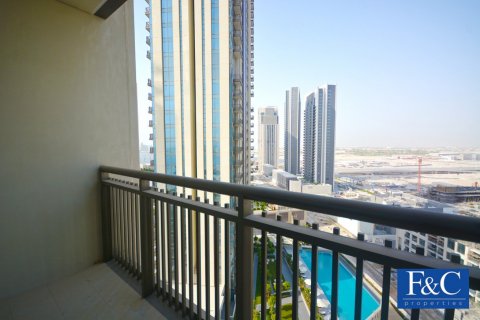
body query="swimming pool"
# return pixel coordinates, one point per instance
(346, 285)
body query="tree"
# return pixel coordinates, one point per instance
(260, 205)
(271, 306)
(286, 286)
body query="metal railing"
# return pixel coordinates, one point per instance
(170, 241)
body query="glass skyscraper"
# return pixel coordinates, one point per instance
(319, 135)
(292, 130)
(202, 73)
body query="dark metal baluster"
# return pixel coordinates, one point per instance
(175, 253)
(112, 217)
(415, 313)
(163, 234)
(132, 230)
(157, 244)
(278, 304)
(125, 229)
(313, 297)
(359, 283)
(216, 265)
(450, 313)
(122, 228)
(386, 286)
(334, 305)
(139, 244)
(183, 258)
(128, 229)
(199, 264)
(207, 265)
(119, 225)
(244, 260)
(263, 272)
(227, 267)
(106, 219)
(146, 217)
(295, 277)
(190, 261)
(169, 250)
(114, 222)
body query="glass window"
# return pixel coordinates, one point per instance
(461, 248)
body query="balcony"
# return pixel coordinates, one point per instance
(82, 242)
(137, 219)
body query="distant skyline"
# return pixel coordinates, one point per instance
(407, 72)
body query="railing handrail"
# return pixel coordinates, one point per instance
(420, 220)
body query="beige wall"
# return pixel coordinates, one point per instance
(67, 105)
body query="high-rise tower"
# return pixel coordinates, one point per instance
(292, 131)
(202, 73)
(268, 137)
(319, 135)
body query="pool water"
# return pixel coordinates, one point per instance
(346, 285)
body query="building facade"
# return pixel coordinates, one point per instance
(292, 131)
(441, 248)
(202, 73)
(268, 137)
(319, 135)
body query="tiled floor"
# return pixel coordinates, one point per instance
(96, 293)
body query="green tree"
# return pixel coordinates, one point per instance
(260, 205)
(271, 306)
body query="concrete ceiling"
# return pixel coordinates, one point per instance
(90, 6)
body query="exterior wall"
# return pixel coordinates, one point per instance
(292, 131)
(68, 105)
(268, 137)
(282, 178)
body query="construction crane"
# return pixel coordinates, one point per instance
(419, 181)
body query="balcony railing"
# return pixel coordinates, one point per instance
(165, 240)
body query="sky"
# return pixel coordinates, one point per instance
(407, 72)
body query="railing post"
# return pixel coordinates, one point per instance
(450, 313)
(415, 313)
(146, 239)
(106, 219)
(244, 261)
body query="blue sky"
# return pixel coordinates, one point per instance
(407, 72)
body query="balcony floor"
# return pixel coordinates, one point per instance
(95, 293)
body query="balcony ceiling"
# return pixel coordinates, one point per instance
(100, 8)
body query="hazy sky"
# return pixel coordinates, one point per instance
(407, 72)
